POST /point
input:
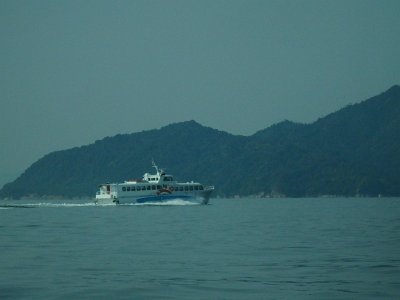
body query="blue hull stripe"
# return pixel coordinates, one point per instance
(161, 198)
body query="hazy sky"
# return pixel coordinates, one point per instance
(76, 71)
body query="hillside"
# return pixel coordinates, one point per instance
(354, 151)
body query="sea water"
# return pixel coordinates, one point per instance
(316, 248)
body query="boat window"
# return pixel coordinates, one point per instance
(191, 188)
(153, 187)
(186, 188)
(149, 187)
(196, 187)
(133, 188)
(123, 189)
(143, 188)
(201, 188)
(158, 187)
(181, 188)
(128, 188)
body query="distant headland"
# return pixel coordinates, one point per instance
(352, 152)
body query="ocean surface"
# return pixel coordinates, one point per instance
(320, 248)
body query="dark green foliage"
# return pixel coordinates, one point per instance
(354, 151)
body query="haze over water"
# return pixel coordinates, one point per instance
(343, 248)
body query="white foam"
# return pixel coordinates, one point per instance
(67, 204)
(171, 202)
(48, 204)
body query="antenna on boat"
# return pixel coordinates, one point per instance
(159, 171)
(154, 165)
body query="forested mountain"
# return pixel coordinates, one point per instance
(354, 151)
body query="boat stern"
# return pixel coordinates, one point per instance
(206, 194)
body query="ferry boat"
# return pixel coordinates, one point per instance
(159, 187)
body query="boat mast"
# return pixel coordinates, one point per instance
(155, 166)
(160, 172)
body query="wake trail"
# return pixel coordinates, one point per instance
(172, 202)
